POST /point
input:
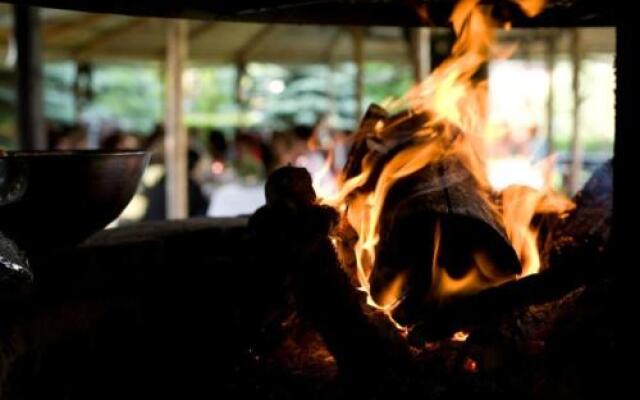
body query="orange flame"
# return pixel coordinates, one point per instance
(455, 102)
(531, 7)
(460, 336)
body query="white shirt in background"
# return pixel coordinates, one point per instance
(234, 198)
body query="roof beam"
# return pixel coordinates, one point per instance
(254, 41)
(194, 34)
(54, 31)
(329, 51)
(201, 30)
(107, 37)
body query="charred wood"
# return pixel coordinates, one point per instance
(576, 255)
(293, 233)
(588, 226)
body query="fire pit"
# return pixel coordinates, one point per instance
(419, 267)
(417, 279)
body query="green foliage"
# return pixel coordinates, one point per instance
(209, 88)
(59, 103)
(383, 80)
(311, 91)
(131, 95)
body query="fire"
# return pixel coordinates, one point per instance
(460, 336)
(470, 365)
(451, 107)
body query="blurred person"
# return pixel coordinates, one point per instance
(244, 193)
(112, 141)
(305, 150)
(217, 146)
(197, 140)
(73, 138)
(317, 157)
(342, 147)
(508, 145)
(55, 133)
(137, 208)
(282, 149)
(157, 195)
(268, 158)
(120, 141)
(248, 160)
(154, 144)
(536, 145)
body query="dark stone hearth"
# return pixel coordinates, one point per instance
(223, 309)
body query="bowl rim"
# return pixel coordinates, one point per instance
(72, 153)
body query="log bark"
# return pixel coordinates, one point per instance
(589, 224)
(293, 232)
(576, 253)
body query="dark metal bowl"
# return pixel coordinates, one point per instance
(51, 199)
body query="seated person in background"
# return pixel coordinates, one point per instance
(119, 141)
(282, 149)
(244, 192)
(157, 198)
(217, 146)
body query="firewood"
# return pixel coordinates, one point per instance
(577, 254)
(589, 224)
(443, 192)
(295, 232)
(374, 145)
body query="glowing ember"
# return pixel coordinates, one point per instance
(430, 346)
(470, 365)
(450, 106)
(460, 336)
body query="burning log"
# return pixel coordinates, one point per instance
(588, 225)
(444, 199)
(421, 230)
(372, 146)
(508, 324)
(576, 248)
(479, 310)
(438, 223)
(293, 232)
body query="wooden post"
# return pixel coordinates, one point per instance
(175, 138)
(358, 58)
(421, 46)
(576, 150)
(31, 130)
(241, 70)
